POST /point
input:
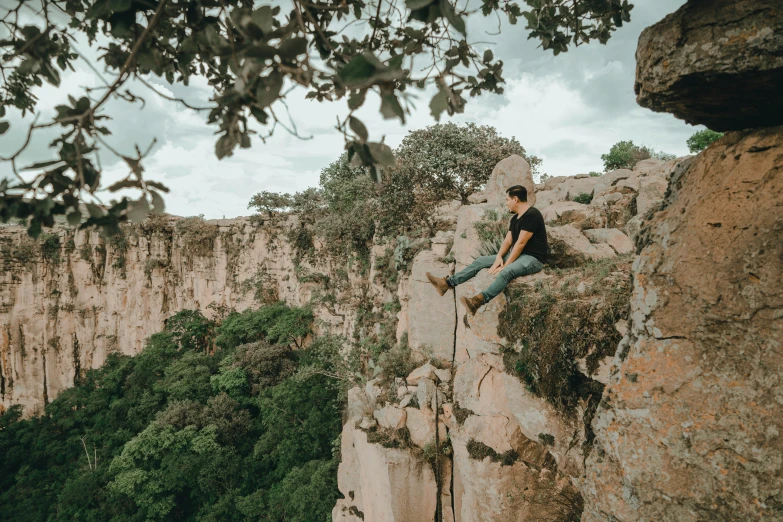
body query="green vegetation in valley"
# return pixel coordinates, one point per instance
(184, 431)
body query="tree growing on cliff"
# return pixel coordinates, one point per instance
(702, 139)
(450, 161)
(251, 55)
(626, 154)
(270, 202)
(437, 164)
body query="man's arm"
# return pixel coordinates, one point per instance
(505, 245)
(498, 264)
(524, 236)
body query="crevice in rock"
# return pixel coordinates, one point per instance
(2, 381)
(481, 380)
(453, 372)
(437, 466)
(76, 362)
(45, 384)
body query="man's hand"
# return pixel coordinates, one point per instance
(497, 266)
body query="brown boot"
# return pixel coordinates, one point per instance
(473, 303)
(439, 283)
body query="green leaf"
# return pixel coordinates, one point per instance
(259, 114)
(43, 164)
(83, 104)
(4, 126)
(360, 69)
(439, 103)
(292, 48)
(268, 89)
(262, 18)
(414, 5)
(138, 210)
(124, 183)
(453, 18)
(358, 128)
(382, 153)
(75, 217)
(51, 74)
(395, 62)
(356, 99)
(94, 210)
(224, 146)
(488, 56)
(158, 185)
(391, 108)
(157, 202)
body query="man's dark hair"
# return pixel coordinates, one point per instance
(519, 191)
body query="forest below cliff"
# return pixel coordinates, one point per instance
(185, 431)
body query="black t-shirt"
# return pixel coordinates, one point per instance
(532, 221)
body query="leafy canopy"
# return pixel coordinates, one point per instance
(440, 163)
(702, 139)
(251, 53)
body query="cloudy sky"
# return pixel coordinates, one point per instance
(568, 110)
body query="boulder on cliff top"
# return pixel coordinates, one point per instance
(421, 426)
(716, 63)
(426, 371)
(574, 186)
(568, 247)
(514, 170)
(390, 417)
(613, 237)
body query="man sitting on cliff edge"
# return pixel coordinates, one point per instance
(527, 234)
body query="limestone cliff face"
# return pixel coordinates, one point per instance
(64, 311)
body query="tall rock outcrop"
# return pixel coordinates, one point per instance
(689, 426)
(506, 449)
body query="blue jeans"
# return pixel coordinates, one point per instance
(523, 265)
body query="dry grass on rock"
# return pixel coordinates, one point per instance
(556, 321)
